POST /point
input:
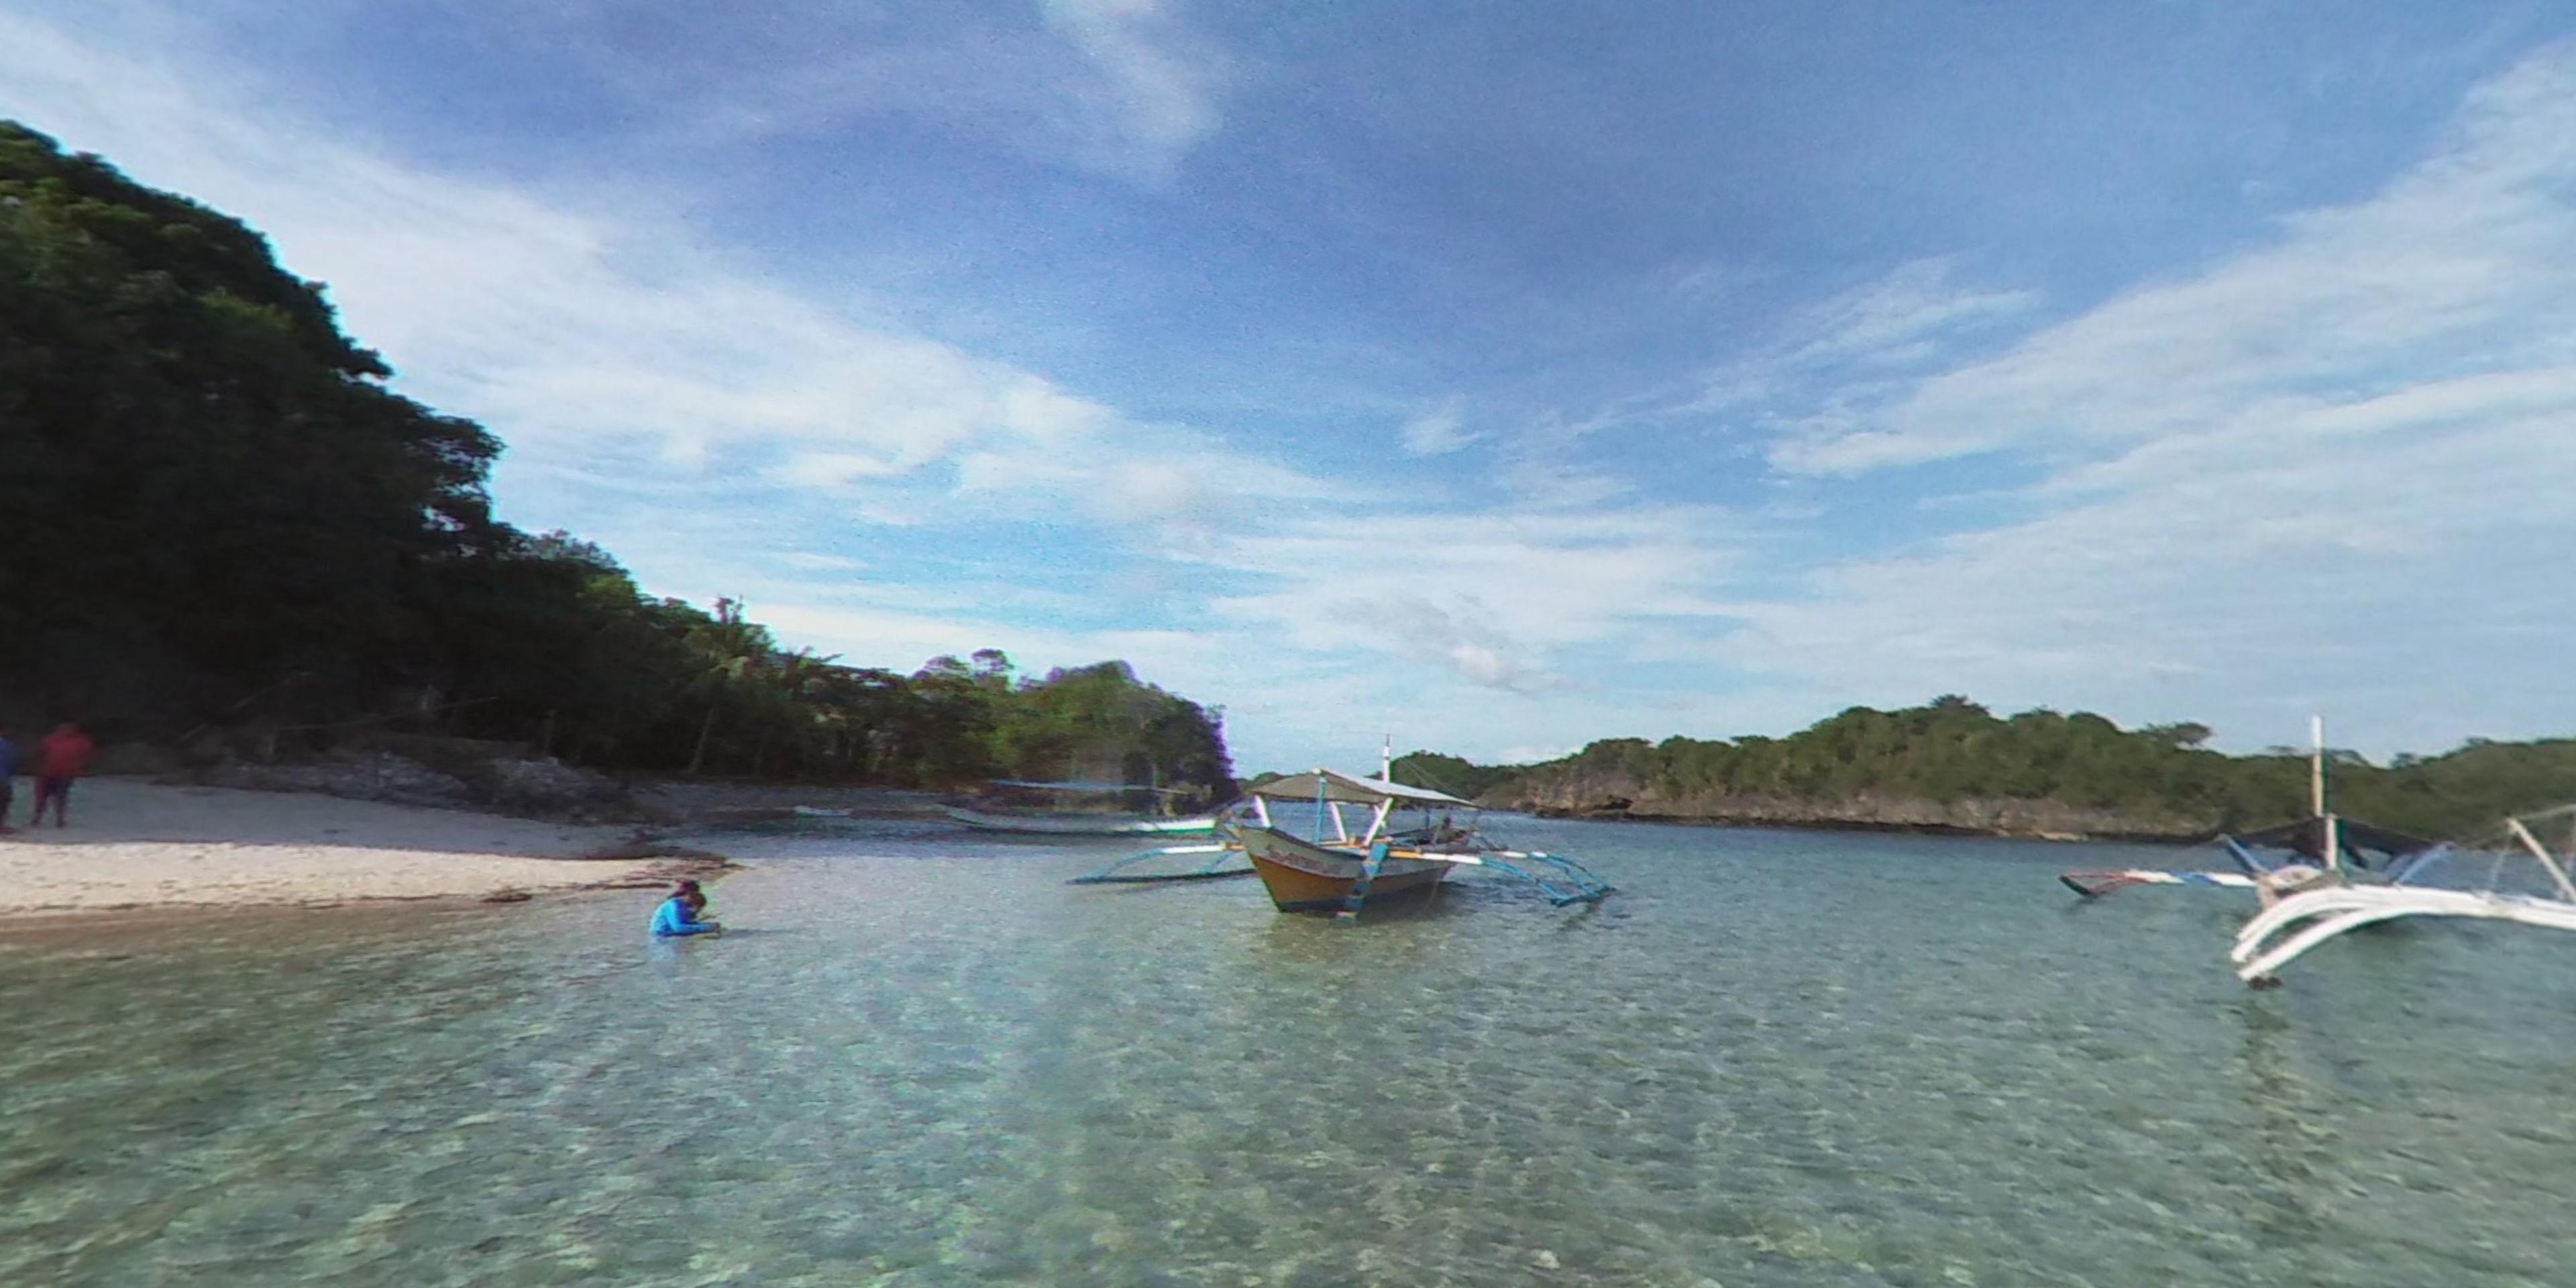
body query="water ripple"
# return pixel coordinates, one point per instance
(1775, 1059)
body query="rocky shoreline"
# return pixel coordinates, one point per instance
(506, 779)
(1605, 798)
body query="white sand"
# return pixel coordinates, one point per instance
(136, 844)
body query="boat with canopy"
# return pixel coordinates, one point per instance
(1368, 841)
(1009, 812)
(2320, 849)
(2508, 875)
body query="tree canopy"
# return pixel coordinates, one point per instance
(1952, 749)
(222, 515)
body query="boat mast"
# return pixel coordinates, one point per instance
(1386, 759)
(2329, 843)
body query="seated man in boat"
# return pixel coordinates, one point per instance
(679, 914)
(2286, 880)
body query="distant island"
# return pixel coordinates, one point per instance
(1954, 766)
(230, 538)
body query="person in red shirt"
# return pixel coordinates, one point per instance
(60, 758)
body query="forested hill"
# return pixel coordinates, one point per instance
(220, 516)
(1953, 765)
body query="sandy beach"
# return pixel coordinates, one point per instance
(135, 844)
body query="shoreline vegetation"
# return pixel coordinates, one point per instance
(1954, 767)
(243, 557)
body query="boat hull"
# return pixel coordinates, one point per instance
(1305, 877)
(1082, 824)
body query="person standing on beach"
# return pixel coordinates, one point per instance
(8, 772)
(60, 758)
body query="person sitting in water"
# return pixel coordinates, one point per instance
(678, 914)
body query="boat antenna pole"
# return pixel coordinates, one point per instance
(1386, 759)
(2329, 844)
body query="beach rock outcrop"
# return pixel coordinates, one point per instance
(354, 775)
(1610, 795)
(449, 773)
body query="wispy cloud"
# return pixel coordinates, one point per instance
(2311, 470)
(2458, 267)
(1496, 597)
(1901, 317)
(1438, 432)
(1913, 315)
(1817, 372)
(1159, 83)
(1123, 88)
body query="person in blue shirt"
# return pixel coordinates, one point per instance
(678, 914)
(8, 770)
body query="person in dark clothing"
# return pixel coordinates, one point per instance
(8, 773)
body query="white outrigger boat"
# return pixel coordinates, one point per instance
(1060, 822)
(1072, 824)
(2524, 882)
(2321, 849)
(1338, 868)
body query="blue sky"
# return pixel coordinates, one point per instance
(1496, 377)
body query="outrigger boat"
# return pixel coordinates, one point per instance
(2524, 882)
(1070, 824)
(1339, 869)
(2292, 856)
(2317, 850)
(1058, 822)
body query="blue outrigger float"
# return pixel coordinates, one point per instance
(1339, 868)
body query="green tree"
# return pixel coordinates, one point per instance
(225, 516)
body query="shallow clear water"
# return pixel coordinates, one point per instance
(1773, 1059)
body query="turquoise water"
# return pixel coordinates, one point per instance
(1773, 1059)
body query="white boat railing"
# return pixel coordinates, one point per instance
(2299, 923)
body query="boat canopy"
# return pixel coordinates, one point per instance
(1343, 789)
(2361, 843)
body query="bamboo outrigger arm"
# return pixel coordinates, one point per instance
(2319, 915)
(1212, 870)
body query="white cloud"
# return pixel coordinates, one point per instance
(2462, 266)
(812, 562)
(2333, 470)
(1861, 338)
(1127, 89)
(1438, 432)
(1159, 83)
(1493, 597)
(1902, 316)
